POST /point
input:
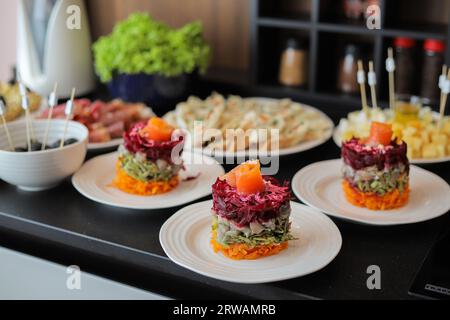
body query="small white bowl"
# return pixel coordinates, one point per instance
(42, 170)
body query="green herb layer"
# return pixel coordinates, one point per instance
(144, 170)
(228, 235)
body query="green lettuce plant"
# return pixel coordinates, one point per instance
(140, 44)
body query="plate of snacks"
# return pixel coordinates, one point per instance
(216, 124)
(150, 171)
(106, 121)
(250, 232)
(428, 140)
(13, 102)
(373, 183)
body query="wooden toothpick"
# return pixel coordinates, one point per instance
(25, 107)
(445, 91)
(52, 100)
(69, 110)
(390, 67)
(442, 80)
(362, 86)
(5, 125)
(372, 79)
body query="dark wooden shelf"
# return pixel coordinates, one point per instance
(437, 33)
(418, 35)
(430, 28)
(345, 28)
(284, 23)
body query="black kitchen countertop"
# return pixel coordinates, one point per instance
(62, 226)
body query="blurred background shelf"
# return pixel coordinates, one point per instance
(323, 26)
(248, 38)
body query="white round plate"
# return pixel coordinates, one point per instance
(337, 134)
(304, 146)
(94, 179)
(319, 186)
(185, 238)
(105, 145)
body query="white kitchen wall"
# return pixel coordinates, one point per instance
(8, 26)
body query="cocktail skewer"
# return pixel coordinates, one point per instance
(26, 107)
(52, 100)
(390, 68)
(5, 125)
(372, 80)
(442, 79)
(68, 111)
(445, 91)
(361, 77)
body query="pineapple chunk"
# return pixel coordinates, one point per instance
(424, 135)
(410, 153)
(430, 152)
(439, 138)
(409, 131)
(417, 144)
(440, 148)
(446, 127)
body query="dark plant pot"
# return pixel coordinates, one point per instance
(159, 92)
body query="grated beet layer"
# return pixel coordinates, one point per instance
(154, 150)
(243, 209)
(359, 156)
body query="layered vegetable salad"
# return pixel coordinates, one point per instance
(149, 161)
(250, 214)
(376, 170)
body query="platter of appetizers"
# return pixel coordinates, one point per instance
(373, 183)
(150, 171)
(106, 121)
(210, 123)
(250, 232)
(428, 140)
(427, 133)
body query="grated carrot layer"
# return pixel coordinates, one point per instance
(133, 186)
(372, 201)
(244, 252)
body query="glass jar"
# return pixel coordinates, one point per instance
(348, 67)
(405, 69)
(294, 64)
(407, 109)
(432, 67)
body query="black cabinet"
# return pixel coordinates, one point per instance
(323, 26)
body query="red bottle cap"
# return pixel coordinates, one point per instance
(404, 43)
(434, 45)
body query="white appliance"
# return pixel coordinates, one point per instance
(54, 45)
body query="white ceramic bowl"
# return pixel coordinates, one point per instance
(41, 170)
